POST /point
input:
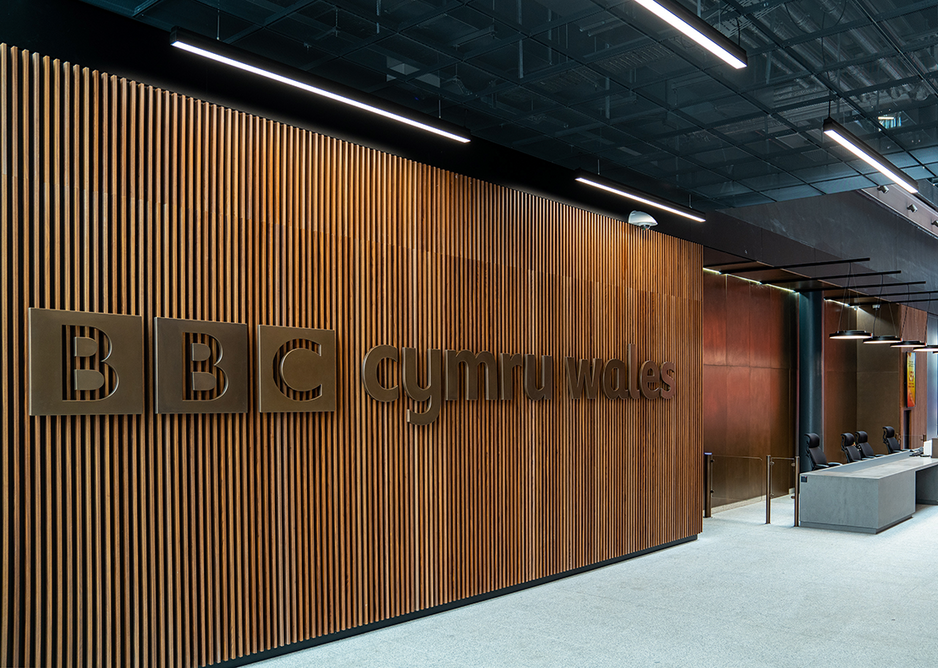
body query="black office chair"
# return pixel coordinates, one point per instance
(847, 445)
(863, 444)
(889, 438)
(816, 453)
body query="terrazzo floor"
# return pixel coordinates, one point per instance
(742, 594)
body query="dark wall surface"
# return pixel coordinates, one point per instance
(850, 225)
(840, 380)
(865, 385)
(749, 384)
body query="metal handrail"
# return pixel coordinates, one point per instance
(769, 463)
(738, 457)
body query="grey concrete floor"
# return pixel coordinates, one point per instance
(743, 594)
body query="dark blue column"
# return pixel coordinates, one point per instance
(810, 370)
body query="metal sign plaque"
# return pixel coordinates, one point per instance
(92, 363)
(85, 363)
(201, 367)
(296, 370)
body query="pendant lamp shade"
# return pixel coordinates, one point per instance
(848, 334)
(907, 344)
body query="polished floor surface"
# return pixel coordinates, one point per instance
(743, 594)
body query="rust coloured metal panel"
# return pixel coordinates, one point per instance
(715, 320)
(748, 396)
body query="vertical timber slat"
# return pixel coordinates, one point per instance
(194, 539)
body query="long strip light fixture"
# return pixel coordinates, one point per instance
(214, 50)
(642, 198)
(698, 30)
(874, 159)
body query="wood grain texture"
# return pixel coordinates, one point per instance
(187, 540)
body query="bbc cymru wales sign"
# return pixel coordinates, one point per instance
(93, 364)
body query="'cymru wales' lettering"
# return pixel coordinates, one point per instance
(448, 375)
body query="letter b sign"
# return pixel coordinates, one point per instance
(85, 363)
(201, 367)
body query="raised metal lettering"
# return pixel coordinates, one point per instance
(75, 355)
(616, 380)
(181, 377)
(531, 388)
(371, 367)
(296, 370)
(583, 377)
(472, 362)
(506, 365)
(649, 380)
(433, 392)
(667, 380)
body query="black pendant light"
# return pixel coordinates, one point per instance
(848, 334)
(883, 338)
(906, 344)
(932, 348)
(855, 334)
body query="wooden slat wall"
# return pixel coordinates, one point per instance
(189, 540)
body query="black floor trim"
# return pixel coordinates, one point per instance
(358, 630)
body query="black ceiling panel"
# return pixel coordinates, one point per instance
(603, 85)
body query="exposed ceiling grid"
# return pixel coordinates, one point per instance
(603, 85)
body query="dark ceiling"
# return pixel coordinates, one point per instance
(604, 86)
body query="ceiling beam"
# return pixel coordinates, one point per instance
(788, 281)
(855, 287)
(749, 270)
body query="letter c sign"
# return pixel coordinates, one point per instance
(296, 370)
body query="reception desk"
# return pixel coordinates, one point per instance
(868, 496)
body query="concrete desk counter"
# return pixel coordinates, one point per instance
(868, 496)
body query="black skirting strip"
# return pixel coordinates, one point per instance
(384, 623)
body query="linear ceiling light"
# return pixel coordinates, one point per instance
(186, 42)
(643, 198)
(698, 30)
(859, 148)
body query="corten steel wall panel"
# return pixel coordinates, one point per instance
(739, 406)
(715, 407)
(772, 425)
(191, 539)
(840, 380)
(748, 384)
(915, 322)
(738, 316)
(770, 328)
(864, 385)
(880, 380)
(715, 320)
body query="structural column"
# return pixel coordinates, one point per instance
(810, 370)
